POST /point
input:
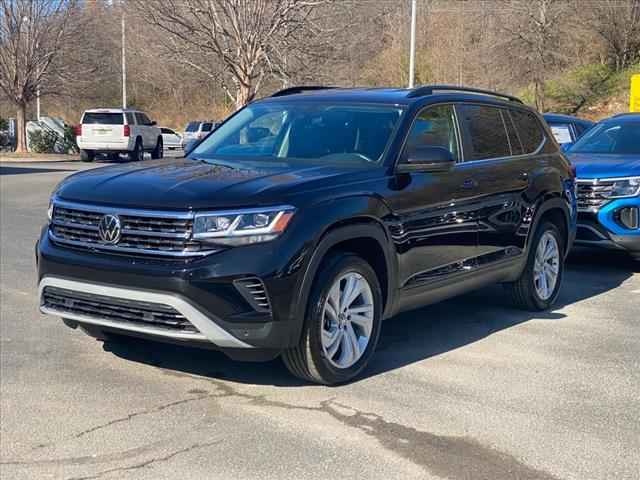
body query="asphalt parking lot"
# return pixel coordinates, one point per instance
(465, 389)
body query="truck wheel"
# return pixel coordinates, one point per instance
(137, 154)
(342, 323)
(87, 155)
(158, 152)
(539, 285)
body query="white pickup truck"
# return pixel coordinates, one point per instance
(114, 131)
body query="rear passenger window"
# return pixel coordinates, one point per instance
(488, 137)
(529, 129)
(514, 138)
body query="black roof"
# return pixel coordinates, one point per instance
(393, 96)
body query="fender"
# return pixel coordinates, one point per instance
(353, 222)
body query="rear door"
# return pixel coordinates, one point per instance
(495, 159)
(146, 130)
(103, 127)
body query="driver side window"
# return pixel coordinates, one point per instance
(434, 127)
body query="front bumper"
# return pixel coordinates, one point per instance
(604, 228)
(202, 290)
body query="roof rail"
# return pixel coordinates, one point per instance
(430, 89)
(294, 90)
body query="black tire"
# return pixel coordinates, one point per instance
(307, 360)
(523, 291)
(113, 156)
(137, 154)
(158, 151)
(87, 155)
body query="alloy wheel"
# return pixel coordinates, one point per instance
(546, 267)
(347, 320)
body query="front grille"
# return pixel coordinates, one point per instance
(142, 232)
(593, 194)
(100, 307)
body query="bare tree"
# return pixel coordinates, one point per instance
(533, 49)
(617, 22)
(237, 43)
(32, 35)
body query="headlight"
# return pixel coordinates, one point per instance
(625, 187)
(50, 210)
(242, 227)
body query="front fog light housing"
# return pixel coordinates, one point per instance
(629, 217)
(242, 227)
(625, 187)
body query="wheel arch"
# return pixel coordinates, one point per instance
(364, 236)
(556, 210)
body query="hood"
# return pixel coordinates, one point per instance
(592, 165)
(187, 184)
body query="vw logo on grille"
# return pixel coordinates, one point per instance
(110, 229)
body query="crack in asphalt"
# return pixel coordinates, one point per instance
(147, 463)
(451, 457)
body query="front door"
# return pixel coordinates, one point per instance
(436, 229)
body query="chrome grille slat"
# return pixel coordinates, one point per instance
(109, 308)
(593, 194)
(143, 232)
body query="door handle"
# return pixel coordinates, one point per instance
(470, 183)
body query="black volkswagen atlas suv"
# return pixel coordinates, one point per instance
(307, 218)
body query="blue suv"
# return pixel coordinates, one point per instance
(607, 161)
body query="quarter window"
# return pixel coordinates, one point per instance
(130, 119)
(529, 129)
(488, 137)
(435, 127)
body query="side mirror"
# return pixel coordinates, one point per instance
(565, 147)
(427, 159)
(153, 123)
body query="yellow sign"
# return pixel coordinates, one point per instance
(634, 103)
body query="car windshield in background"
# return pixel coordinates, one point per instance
(103, 118)
(192, 127)
(319, 133)
(614, 138)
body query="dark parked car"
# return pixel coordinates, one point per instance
(607, 160)
(567, 129)
(307, 218)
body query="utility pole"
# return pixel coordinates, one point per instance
(412, 52)
(124, 64)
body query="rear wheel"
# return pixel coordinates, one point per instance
(137, 154)
(539, 285)
(342, 326)
(158, 152)
(87, 155)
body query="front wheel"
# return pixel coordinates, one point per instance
(342, 325)
(539, 285)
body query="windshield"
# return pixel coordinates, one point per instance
(318, 133)
(192, 127)
(610, 137)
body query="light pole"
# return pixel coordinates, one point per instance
(412, 51)
(124, 65)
